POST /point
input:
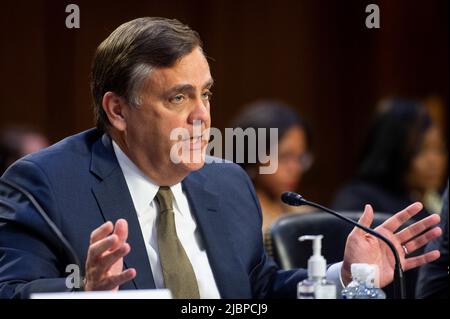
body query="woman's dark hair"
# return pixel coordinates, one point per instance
(269, 114)
(393, 141)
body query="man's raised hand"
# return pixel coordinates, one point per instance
(104, 264)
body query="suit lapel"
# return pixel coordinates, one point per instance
(212, 224)
(115, 202)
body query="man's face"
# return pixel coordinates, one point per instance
(172, 98)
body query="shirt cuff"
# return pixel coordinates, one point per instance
(334, 276)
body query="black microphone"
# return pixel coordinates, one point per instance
(294, 199)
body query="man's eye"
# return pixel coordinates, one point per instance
(177, 99)
(207, 95)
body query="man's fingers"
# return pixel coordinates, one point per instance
(121, 230)
(365, 219)
(108, 260)
(417, 228)
(394, 222)
(98, 248)
(101, 232)
(418, 261)
(423, 239)
(114, 281)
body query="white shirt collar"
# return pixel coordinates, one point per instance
(142, 189)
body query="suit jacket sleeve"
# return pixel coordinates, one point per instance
(31, 257)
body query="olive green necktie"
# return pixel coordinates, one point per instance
(177, 270)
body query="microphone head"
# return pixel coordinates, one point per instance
(292, 199)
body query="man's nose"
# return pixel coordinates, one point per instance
(200, 112)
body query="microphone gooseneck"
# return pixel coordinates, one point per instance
(294, 199)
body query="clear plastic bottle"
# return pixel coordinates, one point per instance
(316, 286)
(353, 287)
(364, 285)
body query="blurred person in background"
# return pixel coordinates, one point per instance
(17, 141)
(294, 157)
(404, 160)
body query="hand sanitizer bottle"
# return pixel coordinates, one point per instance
(316, 286)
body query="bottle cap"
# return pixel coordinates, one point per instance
(369, 274)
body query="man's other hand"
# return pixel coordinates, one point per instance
(362, 247)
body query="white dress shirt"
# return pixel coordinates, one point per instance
(143, 192)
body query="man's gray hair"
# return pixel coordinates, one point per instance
(126, 57)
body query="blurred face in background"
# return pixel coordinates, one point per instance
(293, 160)
(18, 141)
(427, 170)
(33, 142)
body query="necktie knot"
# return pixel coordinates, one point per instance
(164, 198)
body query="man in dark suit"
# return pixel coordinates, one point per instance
(142, 209)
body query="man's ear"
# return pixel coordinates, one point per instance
(115, 108)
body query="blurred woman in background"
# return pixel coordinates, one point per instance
(404, 160)
(294, 157)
